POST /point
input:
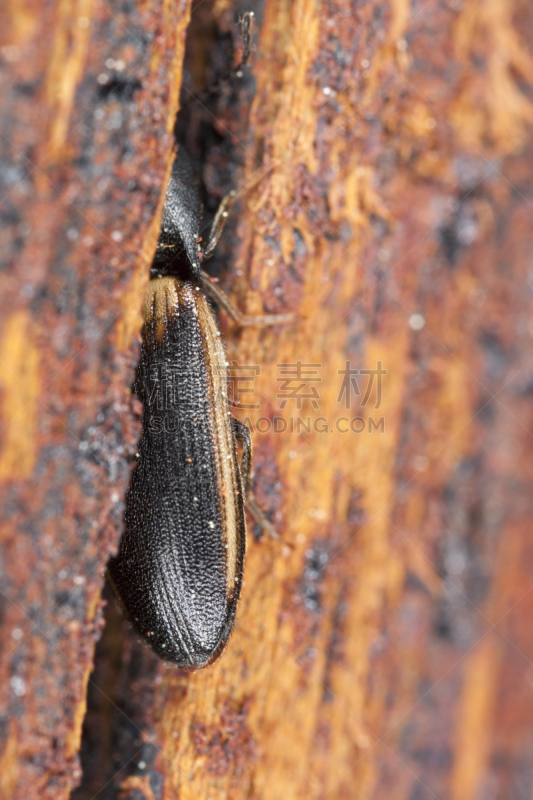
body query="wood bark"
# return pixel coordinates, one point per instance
(383, 650)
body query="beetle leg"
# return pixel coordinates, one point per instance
(222, 300)
(218, 223)
(226, 204)
(242, 434)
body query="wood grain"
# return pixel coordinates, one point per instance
(81, 194)
(384, 649)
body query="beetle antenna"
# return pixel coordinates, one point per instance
(246, 27)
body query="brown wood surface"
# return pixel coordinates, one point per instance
(383, 650)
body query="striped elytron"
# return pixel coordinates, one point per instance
(178, 573)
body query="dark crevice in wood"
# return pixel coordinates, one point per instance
(113, 744)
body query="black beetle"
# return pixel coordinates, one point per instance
(178, 572)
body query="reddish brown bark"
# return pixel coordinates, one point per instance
(384, 650)
(87, 109)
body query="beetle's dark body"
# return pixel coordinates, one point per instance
(178, 572)
(177, 248)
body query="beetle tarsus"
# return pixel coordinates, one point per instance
(242, 434)
(245, 320)
(261, 518)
